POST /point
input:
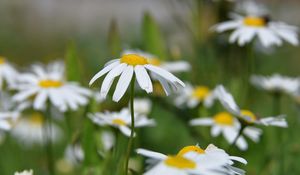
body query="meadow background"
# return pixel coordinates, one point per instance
(93, 32)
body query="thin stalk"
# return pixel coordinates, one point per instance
(130, 142)
(47, 134)
(238, 136)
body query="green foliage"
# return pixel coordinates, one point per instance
(72, 61)
(114, 39)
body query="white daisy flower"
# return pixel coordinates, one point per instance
(29, 130)
(142, 105)
(49, 84)
(230, 105)
(25, 172)
(121, 120)
(129, 66)
(192, 160)
(9, 113)
(226, 124)
(193, 96)
(276, 83)
(8, 74)
(74, 154)
(171, 66)
(269, 33)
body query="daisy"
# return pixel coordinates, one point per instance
(130, 66)
(247, 116)
(121, 120)
(276, 83)
(29, 130)
(48, 84)
(192, 160)
(25, 172)
(246, 28)
(8, 74)
(8, 112)
(193, 96)
(74, 154)
(226, 124)
(171, 66)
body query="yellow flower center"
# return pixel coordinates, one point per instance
(50, 84)
(248, 116)
(224, 118)
(254, 21)
(2, 60)
(180, 162)
(187, 149)
(201, 92)
(133, 59)
(154, 61)
(119, 122)
(36, 119)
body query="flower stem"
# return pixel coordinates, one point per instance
(130, 142)
(47, 134)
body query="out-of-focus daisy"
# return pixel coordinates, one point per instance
(276, 83)
(74, 154)
(256, 24)
(229, 126)
(192, 160)
(49, 84)
(193, 96)
(142, 105)
(8, 112)
(29, 130)
(130, 66)
(8, 74)
(230, 105)
(121, 120)
(108, 140)
(171, 66)
(25, 172)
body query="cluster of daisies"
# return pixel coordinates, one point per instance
(45, 92)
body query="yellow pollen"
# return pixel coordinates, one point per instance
(187, 149)
(2, 60)
(254, 21)
(154, 61)
(119, 122)
(50, 84)
(180, 162)
(201, 92)
(248, 116)
(133, 59)
(224, 118)
(36, 119)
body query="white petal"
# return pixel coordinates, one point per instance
(150, 154)
(40, 100)
(215, 131)
(239, 159)
(103, 71)
(125, 130)
(123, 83)
(201, 121)
(143, 78)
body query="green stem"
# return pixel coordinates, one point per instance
(130, 142)
(47, 132)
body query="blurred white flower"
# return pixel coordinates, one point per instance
(49, 84)
(121, 120)
(129, 66)
(8, 112)
(171, 66)
(108, 140)
(142, 105)
(193, 96)
(74, 154)
(227, 125)
(256, 23)
(193, 160)
(25, 172)
(276, 83)
(29, 130)
(251, 7)
(230, 105)
(8, 74)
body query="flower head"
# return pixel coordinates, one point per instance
(48, 84)
(133, 65)
(121, 120)
(245, 115)
(192, 160)
(8, 74)
(25, 172)
(226, 124)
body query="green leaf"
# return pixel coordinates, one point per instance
(73, 70)
(152, 39)
(114, 39)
